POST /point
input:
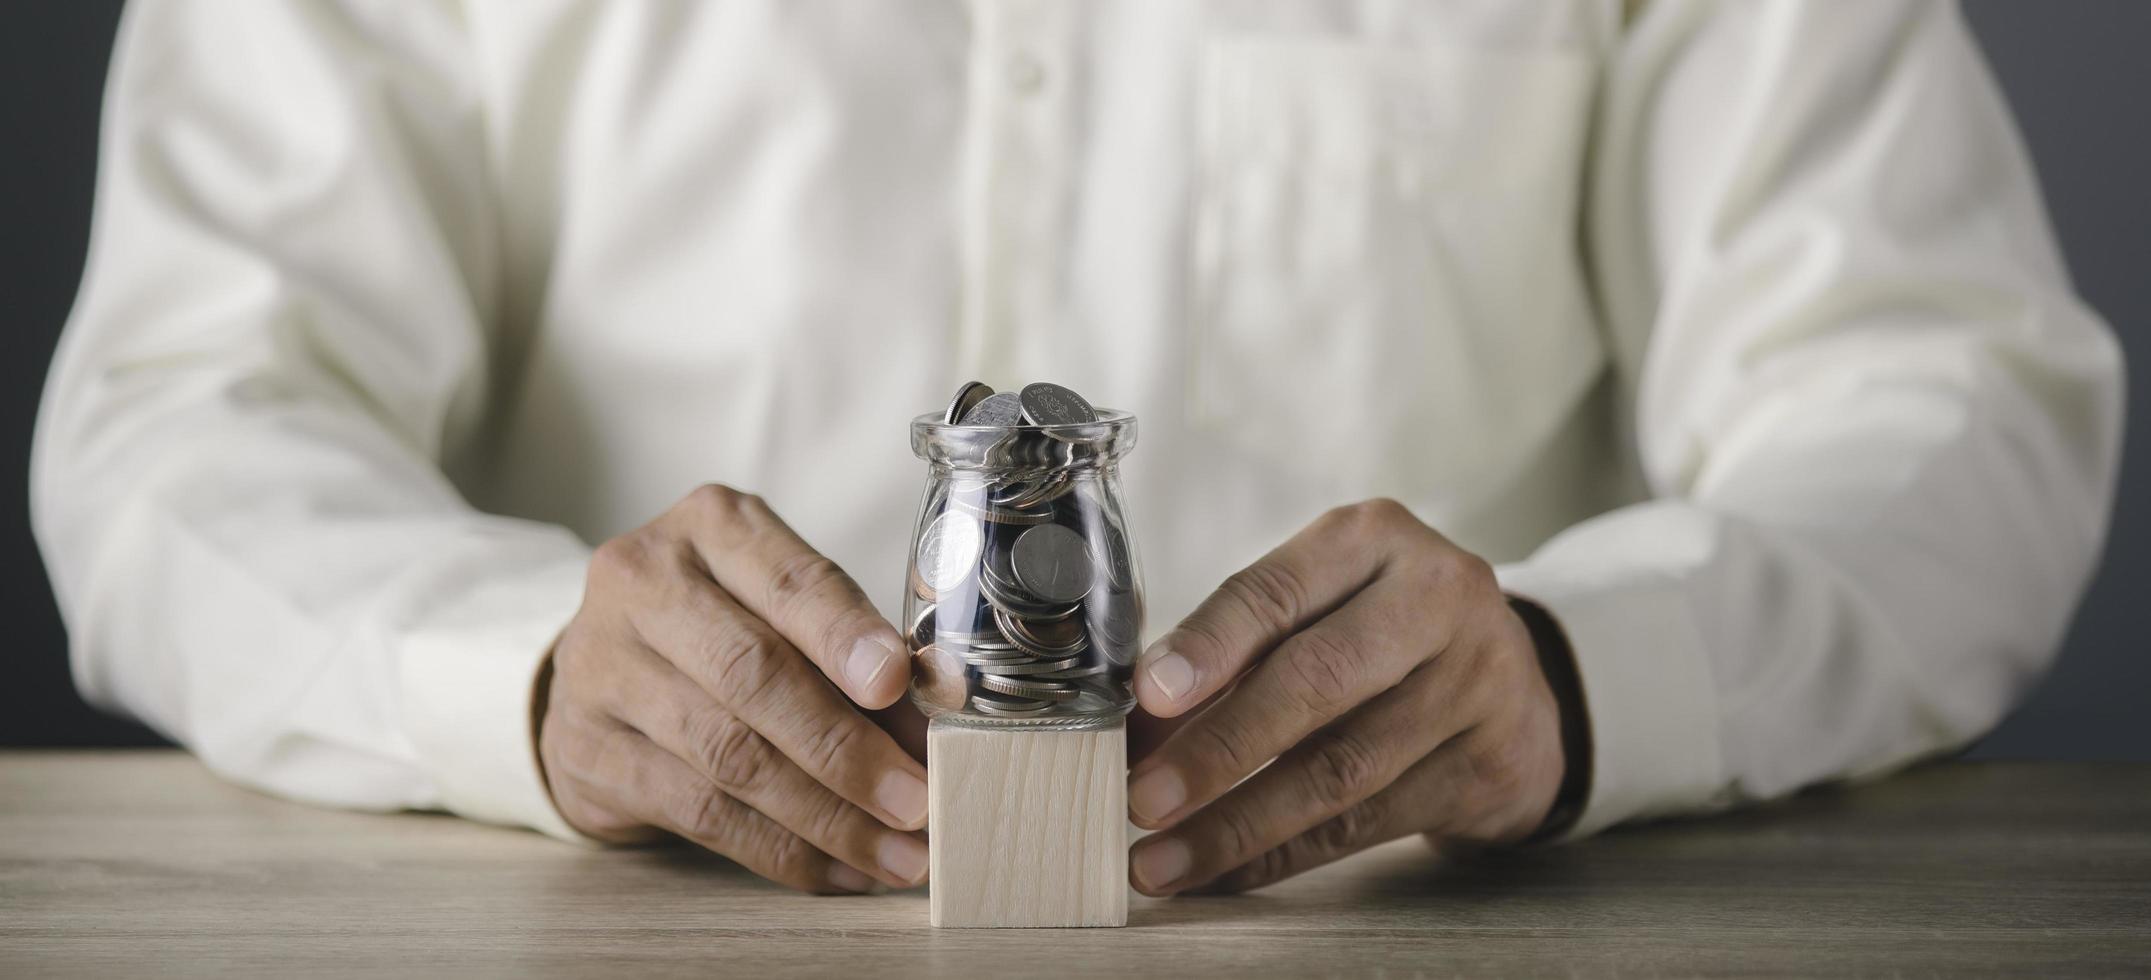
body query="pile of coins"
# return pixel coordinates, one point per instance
(1026, 604)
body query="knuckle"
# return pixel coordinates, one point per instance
(1481, 693)
(829, 746)
(724, 506)
(714, 498)
(1268, 867)
(1270, 592)
(733, 754)
(745, 660)
(1462, 573)
(826, 817)
(569, 748)
(625, 558)
(1223, 749)
(1342, 769)
(1237, 835)
(787, 853)
(1345, 832)
(1385, 510)
(1496, 765)
(574, 658)
(1474, 575)
(796, 578)
(1372, 516)
(698, 811)
(1324, 673)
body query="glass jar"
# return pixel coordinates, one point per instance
(1024, 605)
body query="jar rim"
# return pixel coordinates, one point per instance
(990, 446)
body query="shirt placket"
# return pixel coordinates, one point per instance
(1018, 156)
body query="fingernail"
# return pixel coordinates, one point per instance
(1172, 674)
(903, 856)
(903, 796)
(1159, 863)
(1157, 793)
(844, 877)
(869, 657)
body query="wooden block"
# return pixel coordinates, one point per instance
(1027, 828)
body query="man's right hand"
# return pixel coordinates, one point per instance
(688, 695)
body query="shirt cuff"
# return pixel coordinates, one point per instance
(468, 679)
(1647, 684)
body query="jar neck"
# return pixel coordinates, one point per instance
(1087, 446)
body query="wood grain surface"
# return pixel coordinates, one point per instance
(141, 863)
(1032, 827)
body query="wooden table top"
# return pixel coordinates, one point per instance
(141, 863)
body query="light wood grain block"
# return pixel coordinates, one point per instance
(1027, 828)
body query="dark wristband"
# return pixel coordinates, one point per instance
(1557, 660)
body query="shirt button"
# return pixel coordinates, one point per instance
(1025, 75)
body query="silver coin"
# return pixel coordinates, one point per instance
(1007, 599)
(1066, 637)
(999, 515)
(949, 550)
(1073, 673)
(1119, 561)
(1015, 493)
(1031, 448)
(959, 622)
(1117, 621)
(1053, 563)
(986, 644)
(1031, 494)
(1048, 691)
(967, 398)
(1009, 707)
(1002, 409)
(1051, 404)
(1030, 668)
(989, 655)
(1092, 703)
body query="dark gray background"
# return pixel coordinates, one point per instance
(2074, 69)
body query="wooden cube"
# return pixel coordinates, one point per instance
(1027, 828)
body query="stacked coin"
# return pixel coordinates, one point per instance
(1025, 599)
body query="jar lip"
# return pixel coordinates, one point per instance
(1108, 419)
(988, 446)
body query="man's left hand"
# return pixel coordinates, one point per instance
(1383, 670)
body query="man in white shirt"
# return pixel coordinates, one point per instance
(1728, 339)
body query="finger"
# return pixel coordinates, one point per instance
(1332, 771)
(1399, 811)
(1440, 792)
(1146, 732)
(1260, 605)
(906, 725)
(655, 698)
(1315, 677)
(1424, 796)
(567, 738)
(762, 680)
(774, 573)
(630, 773)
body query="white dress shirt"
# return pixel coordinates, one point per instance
(1734, 333)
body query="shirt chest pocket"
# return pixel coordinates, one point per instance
(1386, 295)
